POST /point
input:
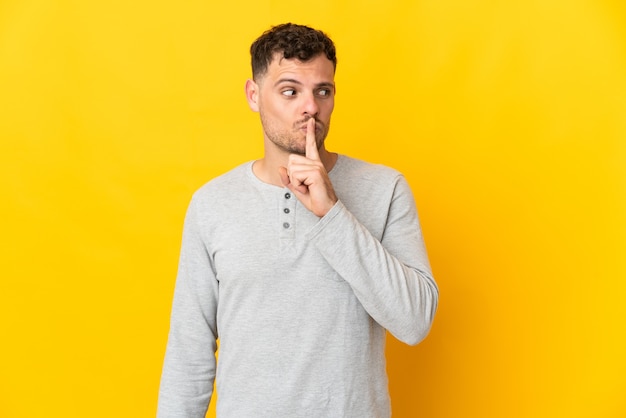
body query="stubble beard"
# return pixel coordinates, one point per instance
(294, 141)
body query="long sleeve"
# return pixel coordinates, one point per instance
(190, 364)
(390, 276)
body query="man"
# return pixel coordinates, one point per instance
(298, 262)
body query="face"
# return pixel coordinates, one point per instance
(288, 95)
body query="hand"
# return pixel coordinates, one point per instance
(307, 178)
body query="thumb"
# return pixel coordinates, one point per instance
(284, 177)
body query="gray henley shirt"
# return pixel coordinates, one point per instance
(300, 304)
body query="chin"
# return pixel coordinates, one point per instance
(299, 151)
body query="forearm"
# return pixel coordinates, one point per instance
(189, 366)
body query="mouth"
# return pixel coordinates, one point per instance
(303, 126)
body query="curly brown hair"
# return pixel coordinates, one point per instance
(293, 41)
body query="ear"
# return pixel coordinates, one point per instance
(252, 95)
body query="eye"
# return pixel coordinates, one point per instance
(324, 92)
(288, 92)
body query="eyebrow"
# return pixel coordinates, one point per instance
(287, 80)
(294, 81)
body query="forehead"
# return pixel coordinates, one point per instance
(317, 69)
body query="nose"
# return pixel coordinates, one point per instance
(310, 106)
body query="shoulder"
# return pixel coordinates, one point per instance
(349, 169)
(360, 182)
(369, 191)
(231, 183)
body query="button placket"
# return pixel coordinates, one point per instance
(286, 216)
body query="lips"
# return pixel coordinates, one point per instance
(303, 126)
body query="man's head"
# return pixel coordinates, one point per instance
(293, 81)
(290, 41)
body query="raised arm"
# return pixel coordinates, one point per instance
(391, 277)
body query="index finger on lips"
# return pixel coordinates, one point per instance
(311, 143)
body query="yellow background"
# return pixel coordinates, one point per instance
(507, 117)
